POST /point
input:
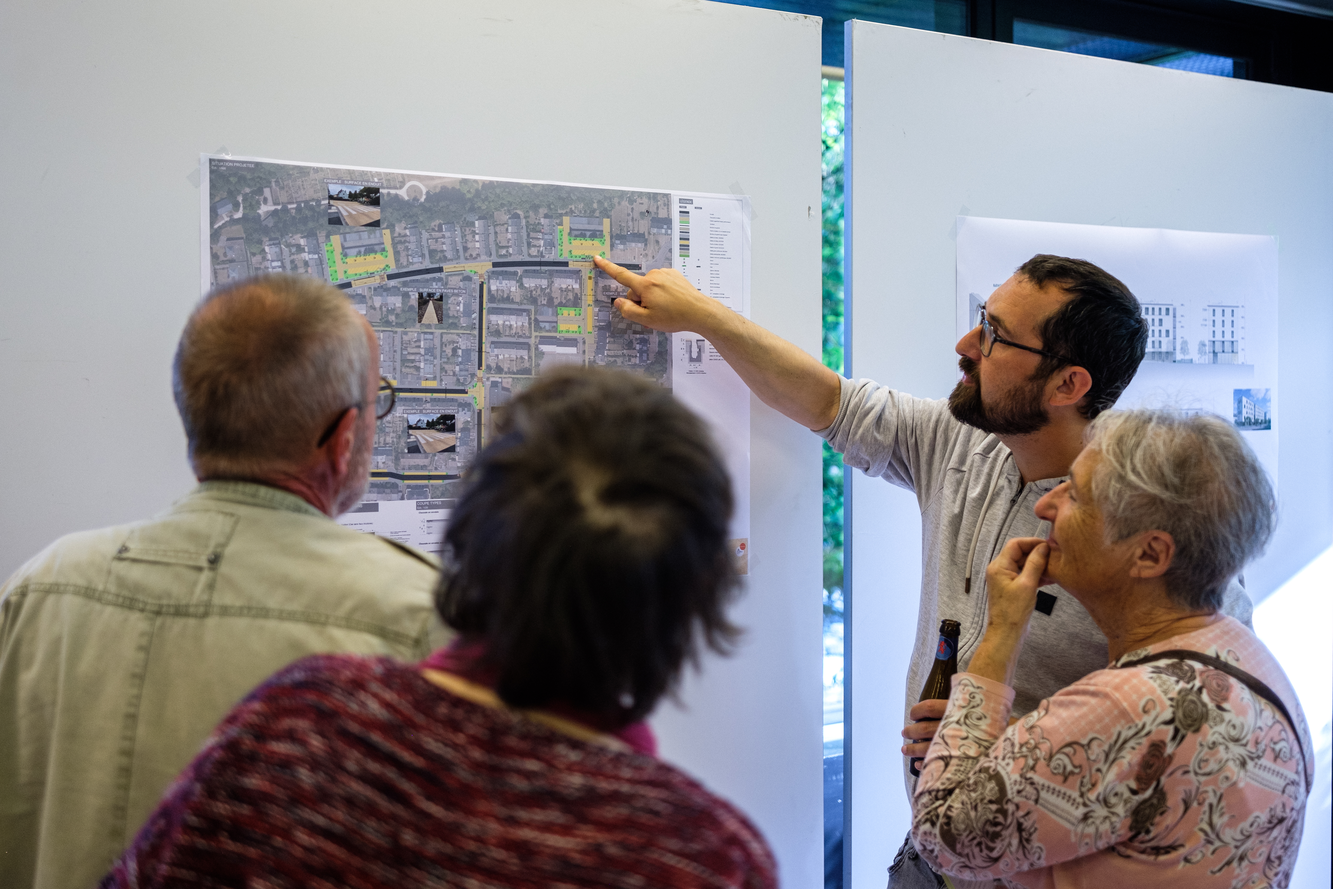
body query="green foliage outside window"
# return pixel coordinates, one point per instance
(833, 335)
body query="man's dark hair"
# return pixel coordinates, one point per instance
(1101, 329)
(588, 553)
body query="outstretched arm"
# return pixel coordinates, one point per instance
(784, 377)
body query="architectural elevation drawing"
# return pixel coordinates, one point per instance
(1209, 300)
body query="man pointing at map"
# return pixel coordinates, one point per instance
(1057, 344)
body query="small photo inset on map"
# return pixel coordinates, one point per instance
(431, 434)
(430, 308)
(352, 204)
(1252, 410)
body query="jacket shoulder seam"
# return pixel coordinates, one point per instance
(314, 618)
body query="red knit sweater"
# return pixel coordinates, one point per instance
(358, 772)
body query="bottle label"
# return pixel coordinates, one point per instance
(944, 650)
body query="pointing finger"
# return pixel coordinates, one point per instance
(620, 274)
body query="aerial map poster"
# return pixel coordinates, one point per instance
(1210, 300)
(474, 286)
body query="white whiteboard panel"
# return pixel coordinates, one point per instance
(108, 107)
(942, 126)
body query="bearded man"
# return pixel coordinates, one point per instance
(1056, 345)
(121, 648)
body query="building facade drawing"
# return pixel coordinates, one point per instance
(1161, 318)
(1225, 338)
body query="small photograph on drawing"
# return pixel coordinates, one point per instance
(430, 308)
(1252, 410)
(431, 434)
(352, 204)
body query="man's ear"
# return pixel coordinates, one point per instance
(1069, 385)
(1152, 554)
(338, 449)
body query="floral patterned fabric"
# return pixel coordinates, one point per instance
(1169, 773)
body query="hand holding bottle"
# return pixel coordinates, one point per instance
(925, 716)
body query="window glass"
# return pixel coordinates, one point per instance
(832, 138)
(1106, 46)
(945, 16)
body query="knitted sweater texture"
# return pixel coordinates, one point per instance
(357, 772)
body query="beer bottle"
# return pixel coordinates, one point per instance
(939, 682)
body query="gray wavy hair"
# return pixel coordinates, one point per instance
(1192, 476)
(262, 367)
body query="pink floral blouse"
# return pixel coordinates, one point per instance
(1168, 773)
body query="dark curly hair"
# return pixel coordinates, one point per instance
(588, 551)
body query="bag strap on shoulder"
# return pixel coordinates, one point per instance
(1255, 684)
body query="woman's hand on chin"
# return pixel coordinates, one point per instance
(1012, 579)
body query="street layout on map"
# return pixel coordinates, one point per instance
(472, 286)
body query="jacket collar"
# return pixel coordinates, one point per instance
(251, 494)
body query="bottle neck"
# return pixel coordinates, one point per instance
(947, 647)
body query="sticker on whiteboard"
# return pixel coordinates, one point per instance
(740, 550)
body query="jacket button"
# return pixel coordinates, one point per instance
(212, 558)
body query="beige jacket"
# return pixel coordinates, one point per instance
(120, 649)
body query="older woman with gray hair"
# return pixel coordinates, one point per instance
(1185, 762)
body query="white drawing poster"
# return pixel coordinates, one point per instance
(1210, 300)
(473, 286)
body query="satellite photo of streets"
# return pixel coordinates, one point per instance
(473, 286)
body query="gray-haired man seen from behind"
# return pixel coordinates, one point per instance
(121, 648)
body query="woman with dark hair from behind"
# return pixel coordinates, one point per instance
(586, 564)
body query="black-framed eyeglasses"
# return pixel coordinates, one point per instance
(989, 338)
(385, 397)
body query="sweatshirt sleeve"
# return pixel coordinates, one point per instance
(889, 434)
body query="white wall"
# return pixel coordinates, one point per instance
(108, 106)
(941, 126)
(1307, 658)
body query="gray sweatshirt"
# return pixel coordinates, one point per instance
(963, 477)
